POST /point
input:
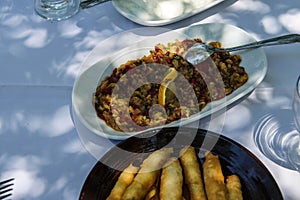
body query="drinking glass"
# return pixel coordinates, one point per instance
(56, 9)
(277, 134)
(294, 150)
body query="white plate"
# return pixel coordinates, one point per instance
(161, 12)
(254, 61)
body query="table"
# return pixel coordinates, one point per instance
(40, 60)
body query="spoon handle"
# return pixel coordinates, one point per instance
(285, 39)
(90, 3)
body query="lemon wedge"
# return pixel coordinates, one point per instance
(169, 78)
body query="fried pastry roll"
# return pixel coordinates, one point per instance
(192, 173)
(234, 187)
(147, 175)
(171, 180)
(213, 178)
(153, 193)
(122, 183)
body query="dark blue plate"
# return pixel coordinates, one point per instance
(257, 182)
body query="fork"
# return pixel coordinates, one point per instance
(90, 3)
(6, 188)
(200, 51)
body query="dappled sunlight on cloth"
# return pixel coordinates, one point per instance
(37, 139)
(74, 147)
(261, 100)
(273, 20)
(50, 126)
(26, 171)
(290, 20)
(251, 6)
(271, 24)
(31, 39)
(69, 29)
(235, 122)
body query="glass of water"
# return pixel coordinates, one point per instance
(56, 9)
(277, 134)
(294, 150)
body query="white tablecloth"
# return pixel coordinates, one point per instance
(40, 60)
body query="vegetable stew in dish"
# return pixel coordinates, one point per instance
(213, 79)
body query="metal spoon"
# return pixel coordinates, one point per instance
(200, 51)
(90, 3)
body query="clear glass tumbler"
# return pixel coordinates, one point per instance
(294, 150)
(277, 134)
(56, 9)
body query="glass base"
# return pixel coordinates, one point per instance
(278, 139)
(294, 152)
(56, 9)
